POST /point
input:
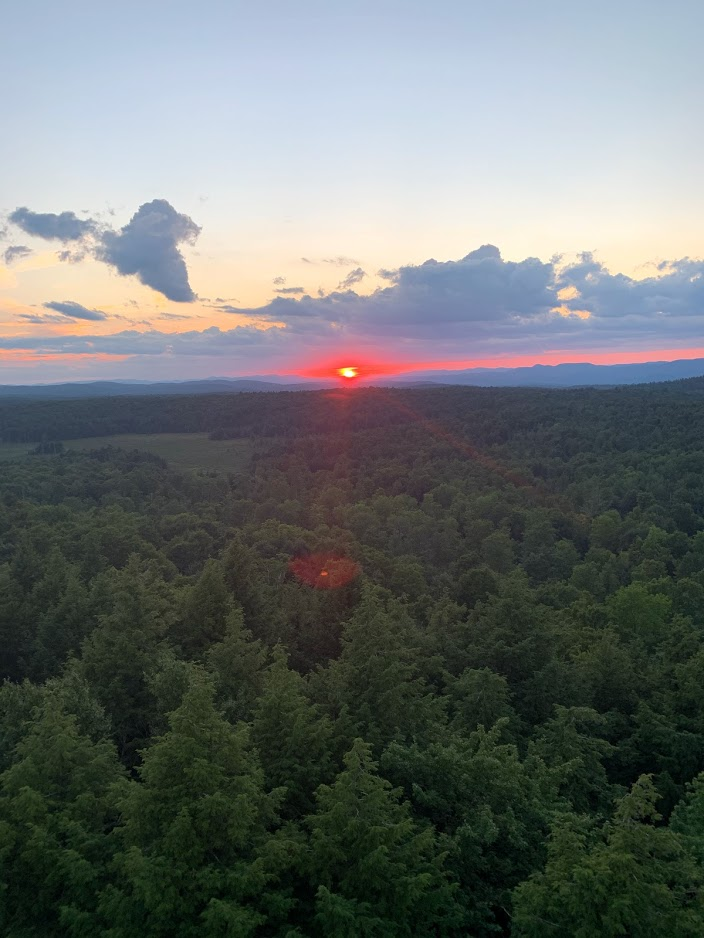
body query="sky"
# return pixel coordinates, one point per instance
(226, 188)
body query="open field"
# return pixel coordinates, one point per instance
(180, 450)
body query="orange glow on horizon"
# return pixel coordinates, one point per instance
(370, 370)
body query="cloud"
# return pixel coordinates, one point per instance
(354, 276)
(75, 255)
(293, 290)
(40, 318)
(279, 281)
(677, 291)
(175, 316)
(75, 310)
(66, 226)
(147, 247)
(482, 304)
(211, 342)
(341, 261)
(385, 274)
(16, 252)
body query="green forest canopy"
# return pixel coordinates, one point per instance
(430, 662)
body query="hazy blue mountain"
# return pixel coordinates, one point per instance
(132, 389)
(563, 376)
(575, 374)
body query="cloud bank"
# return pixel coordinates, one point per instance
(147, 247)
(479, 306)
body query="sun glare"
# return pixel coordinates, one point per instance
(348, 372)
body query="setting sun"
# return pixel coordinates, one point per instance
(347, 372)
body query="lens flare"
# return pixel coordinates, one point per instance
(324, 571)
(347, 372)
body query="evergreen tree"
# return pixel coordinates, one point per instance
(198, 855)
(123, 650)
(571, 745)
(629, 878)
(206, 607)
(292, 737)
(374, 871)
(491, 809)
(374, 686)
(57, 806)
(237, 665)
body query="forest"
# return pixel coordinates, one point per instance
(430, 664)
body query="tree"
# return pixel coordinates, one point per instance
(491, 809)
(292, 737)
(57, 807)
(237, 665)
(480, 697)
(123, 650)
(571, 746)
(205, 609)
(198, 855)
(374, 871)
(627, 878)
(375, 684)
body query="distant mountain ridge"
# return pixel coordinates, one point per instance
(138, 389)
(577, 374)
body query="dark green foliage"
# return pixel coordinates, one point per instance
(627, 878)
(200, 737)
(56, 811)
(194, 857)
(377, 872)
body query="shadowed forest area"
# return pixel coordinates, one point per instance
(421, 662)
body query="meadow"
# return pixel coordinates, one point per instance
(182, 451)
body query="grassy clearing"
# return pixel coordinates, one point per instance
(180, 450)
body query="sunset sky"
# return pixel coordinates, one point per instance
(228, 188)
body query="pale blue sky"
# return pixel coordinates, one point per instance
(386, 132)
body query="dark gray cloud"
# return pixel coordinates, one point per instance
(66, 226)
(211, 341)
(75, 310)
(385, 274)
(293, 290)
(678, 290)
(354, 276)
(16, 252)
(147, 247)
(74, 255)
(40, 318)
(495, 306)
